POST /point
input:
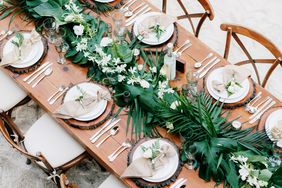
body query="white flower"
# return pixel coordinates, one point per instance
(242, 159)
(144, 84)
(121, 78)
(132, 70)
(174, 105)
(262, 183)
(106, 41)
(136, 52)
(99, 51)
(69, 18)
(148, 153)
(231, 89)
(116, 61)
(154, 69)
(253, 181)
(67, 7)
(86, 54)
(169, 125)
(244, 172)
(81, 46)
(131, 81)
(234, 159)
(92, 58)
(84, 40)
(120, 68)
(105, 60)
(140, 67)
(78, 30)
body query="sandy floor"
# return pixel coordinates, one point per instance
(261, 15)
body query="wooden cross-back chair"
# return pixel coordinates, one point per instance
(208, 13)
(234, 30)
(38, 142)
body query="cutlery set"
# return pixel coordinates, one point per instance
(208, 66)
(180, 183)
(257, 107)
(111, 129)
(54, 97)
(182, 48)
(133, 14)
(44, 71)
(5, 34)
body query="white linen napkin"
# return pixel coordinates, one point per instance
(276, 131)
(163, 20)
(77, 108)
(16, 55)
(145, 167)
(231, 72)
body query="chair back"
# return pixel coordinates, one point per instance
(14, 137)
(234, 30)
(208, 13)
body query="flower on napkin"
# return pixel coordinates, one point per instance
(156, 24)
(82, 105)
(276, 131)
(153, 158)
(233, 76)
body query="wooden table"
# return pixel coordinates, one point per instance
(75, 74)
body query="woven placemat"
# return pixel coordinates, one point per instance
(145, 184)
(32, 67)
(251, 94)
(92, 124)
(162, 47)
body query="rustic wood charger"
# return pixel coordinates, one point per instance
(32, 67)
(92, 124)
(155, 48)
(145, 184)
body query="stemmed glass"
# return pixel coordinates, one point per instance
(50, 27)
(119, 25)
(61, 45)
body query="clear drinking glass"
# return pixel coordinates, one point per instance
(191, 88)
(50, 27)
(119, 26)
(62, 48)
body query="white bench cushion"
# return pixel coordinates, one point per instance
(10, 93)
(49, 138)
(112, 182)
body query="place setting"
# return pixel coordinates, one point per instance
(23, 51)
(86, 105)
(153, 162)
(155, 30)
(231, 85)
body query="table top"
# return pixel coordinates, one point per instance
(72, 73)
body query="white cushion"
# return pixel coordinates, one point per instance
(55, 144)
(112, 182)
(11, 94)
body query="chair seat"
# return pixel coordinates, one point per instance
(55, 144)
(112, 182)
(11, 94)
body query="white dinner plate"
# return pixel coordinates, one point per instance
(217, 74)
(36, 52)
(151, 39)
(105, 1)
(164, 172)
(271, 122)
(91, 89)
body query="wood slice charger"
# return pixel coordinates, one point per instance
(92, 124)
(32, 67)
(145, 184)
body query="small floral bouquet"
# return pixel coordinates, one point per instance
(151, 152)
(158, 29)
(232, 87)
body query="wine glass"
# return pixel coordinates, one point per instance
(191, 88)
(50, 27)
(62, 48)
